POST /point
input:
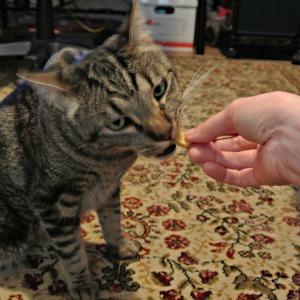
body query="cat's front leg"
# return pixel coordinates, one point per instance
(61, 221)
(110, 217)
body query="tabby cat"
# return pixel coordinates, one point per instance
(68, 135)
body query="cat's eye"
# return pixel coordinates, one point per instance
(160, 90)
(118, 124)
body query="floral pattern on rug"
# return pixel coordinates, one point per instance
(199, 239)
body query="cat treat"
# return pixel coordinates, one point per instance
(181, 140)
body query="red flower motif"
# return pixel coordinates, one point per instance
(293, 295)
(266, 273)
(172, 176)
(207, 275)
(170, 295)
(174, 225)
(243, 296)
(297, 206)
(292, 221)
(233, 189)
(88, 218)
(158, 210)
(200, 294)
(176, 241)
(163, 277)
(241, 206)
(231, 220)
(202, 218)
(208, 201)
(185, 184)
(255, 246)
(15, 297)
(194, 178)
(144, 251)
(247, 254)
(230, 253)
(281, 275)
(83, 233)
(296, 279)
(186, 259)
(264, 255)
(222, 230)
(280, 286)
(132, 203)
(268, 200)
(170, 184)
(219, 247)
(138, 167)
(263, 239)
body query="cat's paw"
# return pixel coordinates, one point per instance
(87, 292)
(126, 249)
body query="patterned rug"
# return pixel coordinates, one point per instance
(200, 240)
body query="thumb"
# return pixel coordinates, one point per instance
(218, 125)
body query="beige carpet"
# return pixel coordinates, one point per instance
(200, 239)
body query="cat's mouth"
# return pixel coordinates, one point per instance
(164, 150)
(161, 150)
(167, 152)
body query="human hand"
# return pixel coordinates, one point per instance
(265, 149)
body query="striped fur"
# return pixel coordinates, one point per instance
(59, 155)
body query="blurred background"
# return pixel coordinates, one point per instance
(31, 30)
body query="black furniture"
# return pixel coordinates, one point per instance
(45, 20)
(199, 41)
(36, 51)
(263, 28)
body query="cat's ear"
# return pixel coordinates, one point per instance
(135, 27)
(50, 88)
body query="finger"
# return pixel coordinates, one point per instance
(218, 125)
(234, 160)
(242, 178)
(234, 144)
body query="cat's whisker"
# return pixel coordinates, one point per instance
(192, 81)
(188, 93)
(196, 74)
(199, 80)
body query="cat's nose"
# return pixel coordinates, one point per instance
(159, 136)
(159, 128)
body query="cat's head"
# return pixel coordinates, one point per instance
(123, 96)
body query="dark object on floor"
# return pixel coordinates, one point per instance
(296, 58)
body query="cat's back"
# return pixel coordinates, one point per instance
(17, 111)
(14, 109)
